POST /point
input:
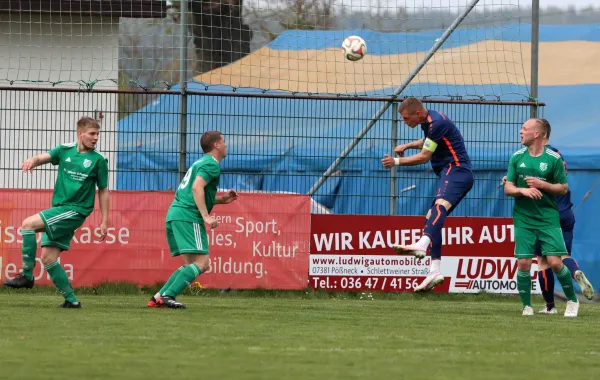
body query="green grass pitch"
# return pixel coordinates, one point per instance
(291, 336)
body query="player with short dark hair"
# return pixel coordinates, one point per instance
(444, 146)
(190, 210)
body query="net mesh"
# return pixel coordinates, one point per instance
(269, 46)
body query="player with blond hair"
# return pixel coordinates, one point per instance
(567, 224)
(81, 168)
(536, 174)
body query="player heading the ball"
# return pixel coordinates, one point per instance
(443, 146)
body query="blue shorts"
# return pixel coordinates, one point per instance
(567, 224)
(453, 185)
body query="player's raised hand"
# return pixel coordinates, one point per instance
(535, 183)
(399, 150)
(388, 161)
(28, 165)
(230, 197)
(532, 193)
(212, 222)
(103, 231)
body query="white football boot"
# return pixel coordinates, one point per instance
(546, 311)
(412, 249)
(586, 287)
(527, 311)
(432, 280)
(572, 309)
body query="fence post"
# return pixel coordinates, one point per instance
(535, 47)
(393, 195)
(359, 136)
(183, 93)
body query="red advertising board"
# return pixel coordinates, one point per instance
(262, 241)
(354, 253)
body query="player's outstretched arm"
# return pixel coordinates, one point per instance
(198, 192)
(29, 164)
(558, 185)
(512, 191)
(416, 159)
(417, 144)
(103, 196)
(227, 198)
(104, 201)
(551, 188)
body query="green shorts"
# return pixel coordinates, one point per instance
(61, 223)
(187, 237)
(551, 241)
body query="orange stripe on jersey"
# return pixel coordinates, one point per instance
(545, 280)
(449, 169)
(451, 149)
(437, 207)
(443, 116)
(429, 119)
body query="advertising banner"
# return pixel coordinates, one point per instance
(262, 241)
(354, 253)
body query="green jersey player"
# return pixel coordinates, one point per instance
(536, 174)
(81, 168)
(186, 235)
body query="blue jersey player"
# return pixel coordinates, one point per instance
(444, 146)
(567, 224)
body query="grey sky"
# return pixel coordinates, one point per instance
(543, 3)
(564, 3)
(434, 4)
(273, 4)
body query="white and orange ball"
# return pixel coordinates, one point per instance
(354, 48)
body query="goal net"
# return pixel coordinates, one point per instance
(290, 46)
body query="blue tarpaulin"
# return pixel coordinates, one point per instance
(148, 144)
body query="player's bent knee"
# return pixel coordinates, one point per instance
(524, 264)
(50, 255)
(33, 222)
(188, 258)
(202, 261)
(555, 262)
(542, 263)
(447, 205)
(47, 260)
(204, 266)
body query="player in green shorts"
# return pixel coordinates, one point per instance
(186, 235)
(535, 175)
(80, 169)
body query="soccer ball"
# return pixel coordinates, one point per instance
(354, 48)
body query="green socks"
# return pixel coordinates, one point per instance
(61, 281)
(183, 280)
(564, 277)
(524, 286)
(28, 252)
(171, 280)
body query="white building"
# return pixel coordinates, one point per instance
(51, 45)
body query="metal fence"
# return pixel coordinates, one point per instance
(278, 144)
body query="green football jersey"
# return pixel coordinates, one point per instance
(183, 206)
(541, 213)
(78, 175)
